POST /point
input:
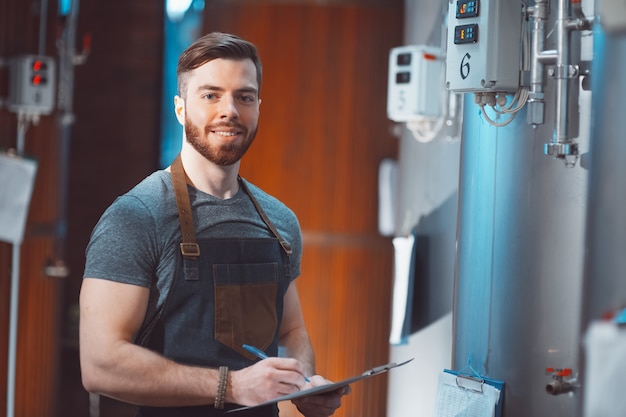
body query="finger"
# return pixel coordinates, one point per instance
(289, 381)
(291, 365)
(287, 389)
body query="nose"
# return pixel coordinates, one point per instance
(228, 107)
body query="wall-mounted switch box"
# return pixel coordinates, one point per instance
(31, 84)
(415, 82)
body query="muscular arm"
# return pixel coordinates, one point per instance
(110, 315)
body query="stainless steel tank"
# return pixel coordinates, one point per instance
(520, 258)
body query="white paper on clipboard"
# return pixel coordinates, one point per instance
(328, 387)
(17, 181)
(458, 395)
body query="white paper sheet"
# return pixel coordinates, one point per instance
(17, 178)
(455, 401)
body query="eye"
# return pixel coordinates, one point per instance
(210, 96)
(247, 98)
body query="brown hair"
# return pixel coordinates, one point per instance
(213, 46)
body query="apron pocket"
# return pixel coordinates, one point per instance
(245, 305)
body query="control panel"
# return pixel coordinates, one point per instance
(31, 84)
(484, 46)
(415, 82)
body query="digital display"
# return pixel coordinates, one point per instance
(466, 8)
(403, 77)
(404, 59)
(466, 34)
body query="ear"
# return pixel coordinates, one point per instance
(179, 109)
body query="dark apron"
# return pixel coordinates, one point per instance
(226, 292)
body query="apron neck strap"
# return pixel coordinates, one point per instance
(189, 248)
(286, 246)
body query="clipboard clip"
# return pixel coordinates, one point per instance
(470, 381)
(384, 368)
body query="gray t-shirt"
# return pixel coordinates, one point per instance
(137, 237)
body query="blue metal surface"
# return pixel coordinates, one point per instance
(519, 261)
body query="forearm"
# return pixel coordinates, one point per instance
(297, 345)
(137, 375)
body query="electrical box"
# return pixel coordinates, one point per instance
(31, 84)
(415, 82)
(484, 45)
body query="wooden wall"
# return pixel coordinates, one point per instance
(323, 132)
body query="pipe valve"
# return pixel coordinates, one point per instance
(562, 381)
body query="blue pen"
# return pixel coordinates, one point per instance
(255, 351)
(261, 355)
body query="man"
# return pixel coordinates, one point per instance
(194, 262)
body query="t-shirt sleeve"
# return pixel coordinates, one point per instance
(123, 245)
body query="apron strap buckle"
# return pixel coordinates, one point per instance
(191, 250)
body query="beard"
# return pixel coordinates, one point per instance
(224, 154)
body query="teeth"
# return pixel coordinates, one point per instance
(226, 133)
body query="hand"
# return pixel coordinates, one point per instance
(265, 380)
(321, 405)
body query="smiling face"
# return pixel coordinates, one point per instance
(220, 110)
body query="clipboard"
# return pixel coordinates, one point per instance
(471, 394)
(322, 389)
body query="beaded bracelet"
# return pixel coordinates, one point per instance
(221, 388)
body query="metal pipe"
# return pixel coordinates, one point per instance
(536, 102)
(22, 127)
(557, 387)
(67, 55)
(562, 72)
(15, 296)
(548, 57)
(580, 22)
(43, 20)
(561, 145)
